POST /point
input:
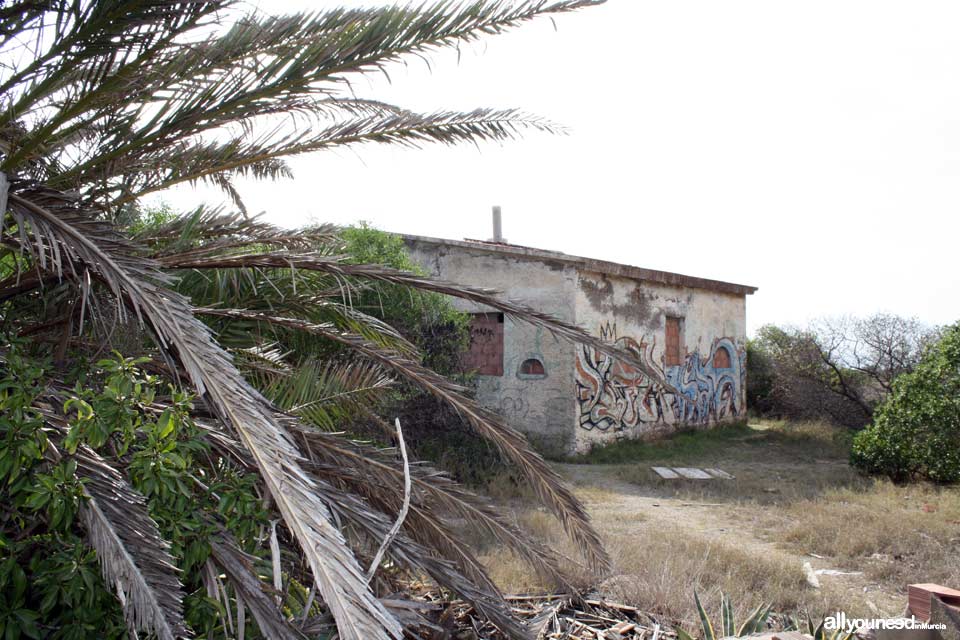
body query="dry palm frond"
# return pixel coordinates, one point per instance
(133, 555)
(131, 552)
(435, 494)
(513, 445)
(360, 485)
(357, 612)
(238, 567)
(366, 472)
(265, 361)
(483, 594)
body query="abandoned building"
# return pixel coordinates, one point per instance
(568, 397)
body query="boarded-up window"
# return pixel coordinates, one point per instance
(671, 355)
(532, 367)
(721, 359)
(485, 356)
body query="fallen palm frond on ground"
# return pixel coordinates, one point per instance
(550, 617)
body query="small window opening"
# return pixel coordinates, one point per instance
(671, 355)
(532, 367)
(721, 359)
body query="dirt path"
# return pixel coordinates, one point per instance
(636, 510)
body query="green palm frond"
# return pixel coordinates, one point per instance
(257, 158)
(328, 394)
(171, 91)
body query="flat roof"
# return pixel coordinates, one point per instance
(588, 264)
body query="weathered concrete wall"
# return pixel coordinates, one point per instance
(615, 400)
(586, 398)
(543, 407)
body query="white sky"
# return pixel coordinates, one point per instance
(809, 149)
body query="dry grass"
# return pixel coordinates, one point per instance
(793, 495)
(661, 573)
(897, 534)
(658, 570)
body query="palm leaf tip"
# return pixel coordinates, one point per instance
(133, 556)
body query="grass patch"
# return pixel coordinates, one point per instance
(794, 495)
(805, 440)
(684, 445)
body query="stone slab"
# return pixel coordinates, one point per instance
(719, 473)
(665, 472)
(692, 473)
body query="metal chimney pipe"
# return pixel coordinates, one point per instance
(497, 225)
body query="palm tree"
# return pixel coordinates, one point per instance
(103, 102)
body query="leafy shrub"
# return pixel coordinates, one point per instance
(760, 381)
(428, 319)
(50, 583)
(916, 432)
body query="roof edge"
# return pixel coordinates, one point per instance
(589, 264)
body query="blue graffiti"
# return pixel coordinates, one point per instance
(708, 391)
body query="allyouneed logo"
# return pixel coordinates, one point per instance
(840, 621)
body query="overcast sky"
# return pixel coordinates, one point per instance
(810, 149)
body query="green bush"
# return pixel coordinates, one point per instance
(916, 431)
(50, 582)
(428, 319)
(760, 379)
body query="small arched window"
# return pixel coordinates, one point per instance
(532, 367)
(721, 358)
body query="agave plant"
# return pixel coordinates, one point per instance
(105, 101)
(756, 621)
(821, 632)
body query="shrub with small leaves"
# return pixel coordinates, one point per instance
(916, 431)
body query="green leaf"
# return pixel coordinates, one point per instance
(708, 633)
(726, 616)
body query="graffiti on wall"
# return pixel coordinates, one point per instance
(613, 396)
